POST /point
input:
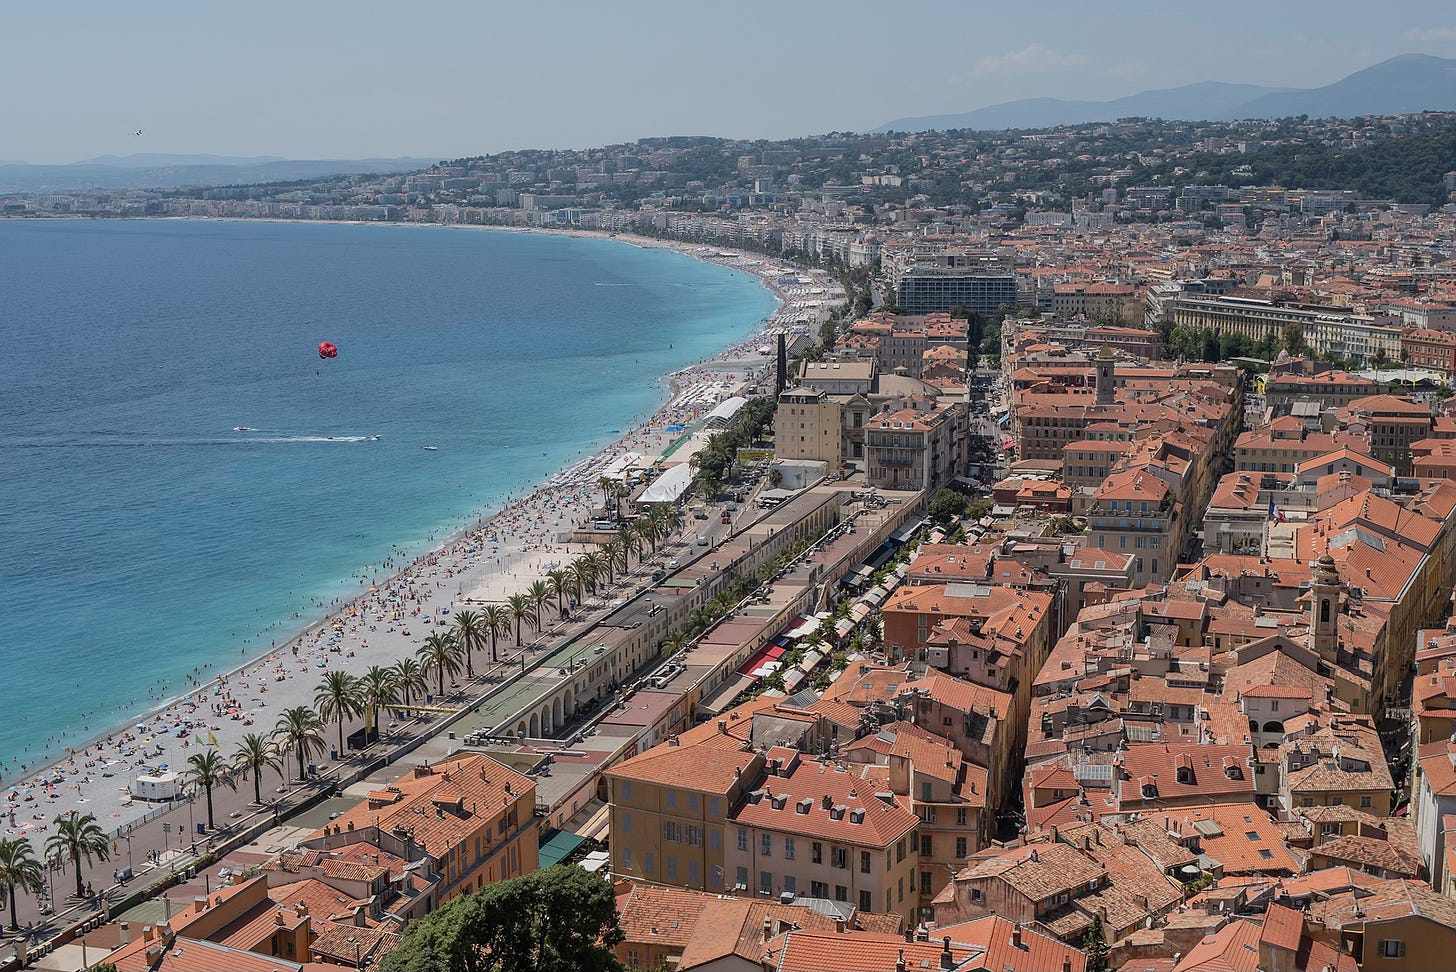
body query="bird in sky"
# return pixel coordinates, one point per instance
(137, 133)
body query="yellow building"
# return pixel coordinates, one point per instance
(807, 426)
(1392, 926)
(1342, 765)
(473, 815)
(668, 805)
(824, 829)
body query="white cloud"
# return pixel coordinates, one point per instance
(1034, 58)
(1428, 35)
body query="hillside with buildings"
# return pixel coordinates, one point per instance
(1082, 594)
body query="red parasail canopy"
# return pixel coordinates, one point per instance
(328, 350)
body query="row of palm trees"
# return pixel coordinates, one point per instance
(342, 696)
(77, 837)
(300, 731)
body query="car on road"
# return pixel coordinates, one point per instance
(673, 565)
(702, 540)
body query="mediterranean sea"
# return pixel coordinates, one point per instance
(142, 535)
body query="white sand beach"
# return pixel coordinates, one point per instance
(386, 622)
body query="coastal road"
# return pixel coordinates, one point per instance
(173, 838)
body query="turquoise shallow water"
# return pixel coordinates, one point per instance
(142, 536)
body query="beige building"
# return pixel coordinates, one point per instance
(807, 426)
(669, 804)
(915, 447)
(826, 830)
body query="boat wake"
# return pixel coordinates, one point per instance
(143, 442)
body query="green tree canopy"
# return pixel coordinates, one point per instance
(561, 919)
(947, 503)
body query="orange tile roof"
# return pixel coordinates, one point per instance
(712, 764)
(796, 804)
(447, 804)
(1283, 927)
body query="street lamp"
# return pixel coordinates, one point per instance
(52, 863)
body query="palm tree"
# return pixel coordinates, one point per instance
(670, 521)
(606, 555)
(470, 632)
(441, 654)
(377, 688)
(539, 594)
(520, 607)
(583, 576)
(603, 565)
(608, 486)
(630, 542)
(19, 869)
(207, 770)
(649, 529)
(558, 584)
(497, 619)
(300, 731)
(409, 678)
(255, 753)
(338, 698)
(78, 837)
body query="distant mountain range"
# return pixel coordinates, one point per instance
(176, 171)
(1410, 82)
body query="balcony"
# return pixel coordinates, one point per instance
(1123, 524)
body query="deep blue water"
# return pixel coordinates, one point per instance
(141, 536)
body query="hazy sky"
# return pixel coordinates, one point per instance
(307, 79)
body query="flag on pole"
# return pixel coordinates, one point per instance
(1274, 513)
(212, 739)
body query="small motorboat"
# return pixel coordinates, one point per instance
(244, 428)
(432, 448)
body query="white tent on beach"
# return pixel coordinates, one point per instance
(720, 416)
(670, 486)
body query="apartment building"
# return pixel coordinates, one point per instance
(1332, 389)
(1108, 302)
(1426, 348)
(1393, 423)
(668, 807)
(1341, 765)
(473, 815)
(822, 829)
(807, 426)
(917, 446)
(1018, 617)
(1135, 512)
(1283, 444)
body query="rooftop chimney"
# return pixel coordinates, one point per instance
(1015, 936)
(767, 928)
(947, 961)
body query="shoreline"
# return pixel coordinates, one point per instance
(517, 551)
